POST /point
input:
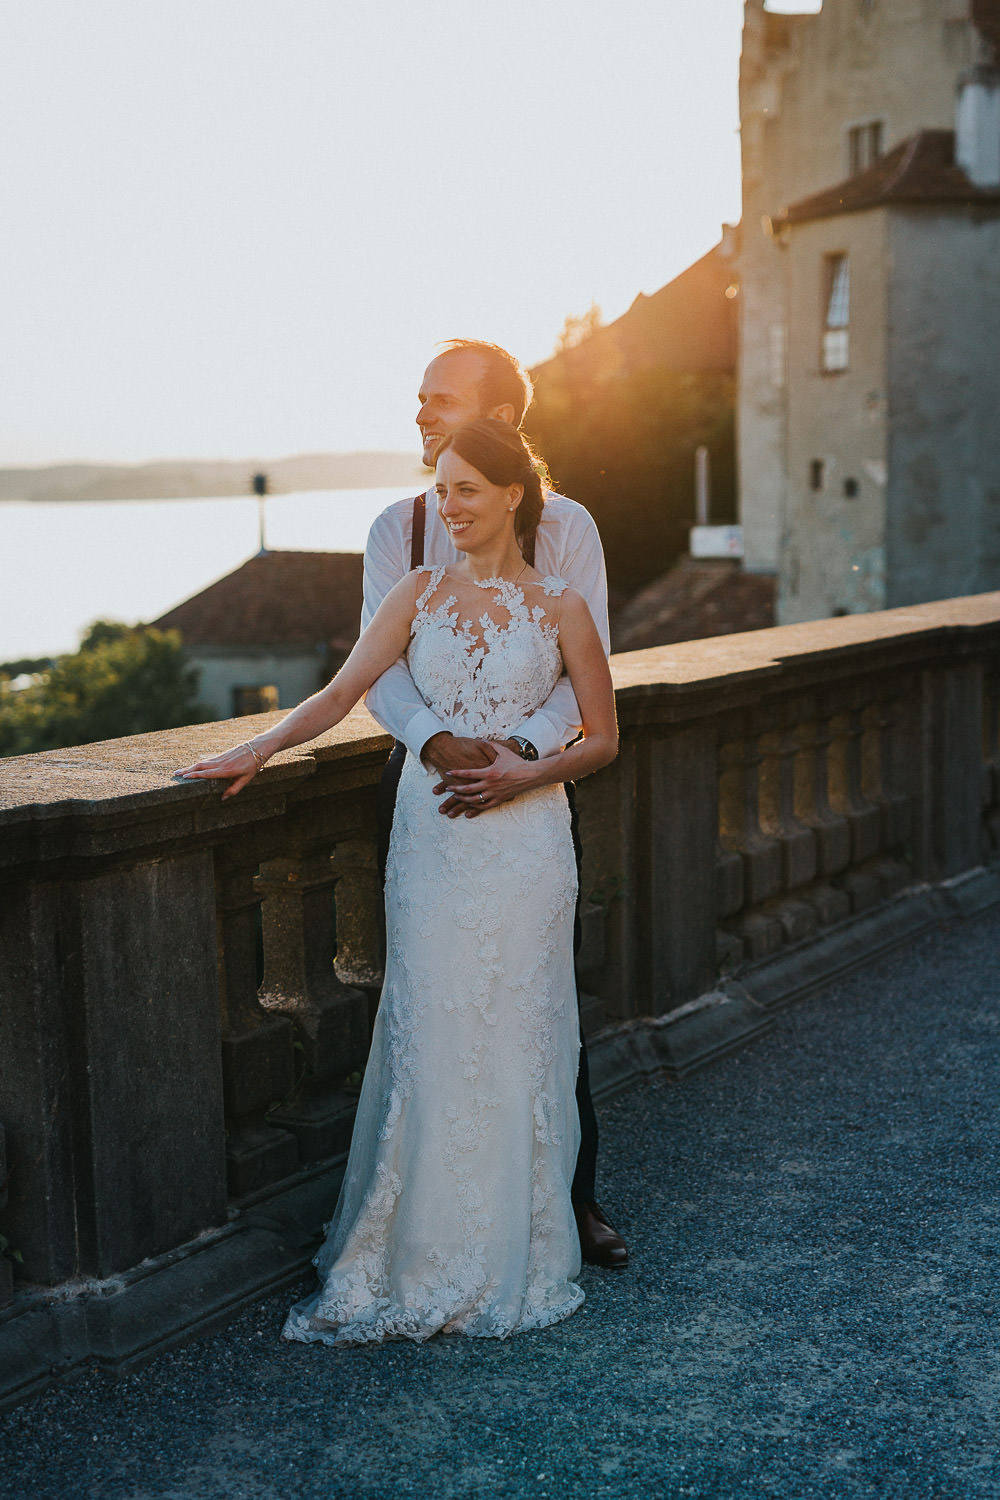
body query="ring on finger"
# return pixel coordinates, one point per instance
(482, 798)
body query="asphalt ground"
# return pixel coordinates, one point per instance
(811, 1308)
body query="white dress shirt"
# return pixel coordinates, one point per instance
(567, 546)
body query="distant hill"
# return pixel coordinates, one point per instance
(185, 479)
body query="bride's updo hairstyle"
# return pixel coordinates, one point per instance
(504, 456)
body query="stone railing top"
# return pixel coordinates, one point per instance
(142, 765)
(705, 663)
(136, 771)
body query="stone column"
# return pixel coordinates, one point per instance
(677, 825)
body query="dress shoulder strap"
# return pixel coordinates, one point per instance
(435, 576)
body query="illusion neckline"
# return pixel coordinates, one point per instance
(493, 582)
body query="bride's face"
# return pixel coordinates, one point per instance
(476, 512)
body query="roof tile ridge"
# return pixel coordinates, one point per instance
(906, 162)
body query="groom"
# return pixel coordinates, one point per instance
(471, 379)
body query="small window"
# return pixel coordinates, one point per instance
(850, 489)
(864, 145)
(836, 342)
(254, 700)
(817, 473)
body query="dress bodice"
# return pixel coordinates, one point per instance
(485, 674)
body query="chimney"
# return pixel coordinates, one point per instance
(977, 125)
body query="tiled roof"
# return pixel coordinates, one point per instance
(276, 599)
(696, 599)
(919, 170)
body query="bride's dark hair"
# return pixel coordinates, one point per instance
(504, 456)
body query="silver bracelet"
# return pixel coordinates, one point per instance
(257, 760)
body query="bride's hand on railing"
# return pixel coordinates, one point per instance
(238, 765)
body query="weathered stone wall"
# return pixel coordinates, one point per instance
(943, 532)
(188, 984)
(805, 80)
(833, 558)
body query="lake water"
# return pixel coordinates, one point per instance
(69, 563)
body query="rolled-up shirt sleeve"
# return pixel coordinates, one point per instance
(394, 700)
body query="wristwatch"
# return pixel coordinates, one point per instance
(525, 748)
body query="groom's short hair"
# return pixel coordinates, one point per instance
(503, 381)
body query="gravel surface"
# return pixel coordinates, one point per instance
(811, 1308)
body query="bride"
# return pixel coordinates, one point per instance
(455, 1214)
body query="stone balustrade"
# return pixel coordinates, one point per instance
(187, 984)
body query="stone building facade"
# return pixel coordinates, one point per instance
(870, 292)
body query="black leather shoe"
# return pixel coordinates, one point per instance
(601, 1245)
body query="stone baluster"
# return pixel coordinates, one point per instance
(796, 840)
(258, 1060)
(359, 903)
(812, 808)
(882, 773)
(884, 769)
(847, 798)
(301, 983)
(777, 810)
(760, 855)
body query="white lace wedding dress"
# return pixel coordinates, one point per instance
(455, 1211)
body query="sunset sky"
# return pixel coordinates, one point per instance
(237, 228)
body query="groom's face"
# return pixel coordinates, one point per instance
(449, 397)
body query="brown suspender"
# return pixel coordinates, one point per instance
(417, 537)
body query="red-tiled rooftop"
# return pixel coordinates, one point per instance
(919, 170)
(276, 599)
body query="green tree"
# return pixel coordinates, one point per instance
(122, 681)
(623, 444)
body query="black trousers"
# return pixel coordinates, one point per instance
(584, 1188)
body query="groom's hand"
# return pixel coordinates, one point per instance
(474, 790)
(454, 752)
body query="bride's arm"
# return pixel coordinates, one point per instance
(588, 670)
(587, 665)
(384, 641)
